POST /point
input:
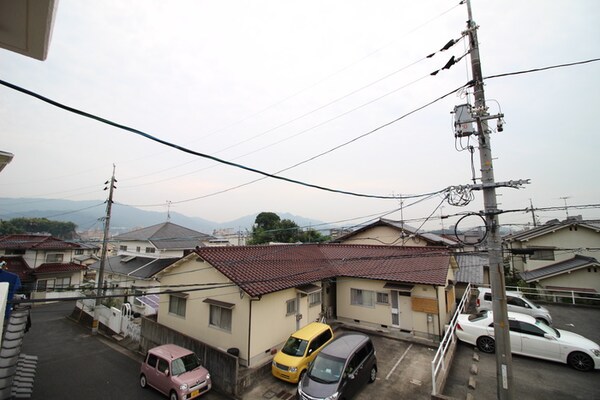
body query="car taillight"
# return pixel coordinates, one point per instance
(478, 303)
(459, 327)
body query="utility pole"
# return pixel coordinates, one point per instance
(533, 213)
(96, 322)
(494, 242)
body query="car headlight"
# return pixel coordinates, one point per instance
(596, 352)
(333, 396)
(293, 369)
(207, 376)
(183, 386)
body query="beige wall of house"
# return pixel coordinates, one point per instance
(565, 238)
(271, 324)
(384, 235)
(138, 248)
(588, 278)
(195, 323)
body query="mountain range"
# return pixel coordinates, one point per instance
(89, 214)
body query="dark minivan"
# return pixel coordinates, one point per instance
(341, 369)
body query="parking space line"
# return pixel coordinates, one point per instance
(397, 363)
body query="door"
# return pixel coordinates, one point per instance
(406, 322)
(395, 309)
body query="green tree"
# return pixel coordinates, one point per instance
(269, 227)
(61, 230)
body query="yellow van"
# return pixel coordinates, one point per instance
(290, 363)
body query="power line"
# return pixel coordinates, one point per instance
(542, 68)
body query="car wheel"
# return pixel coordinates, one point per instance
(143, 381)
(580, 361)
(173, 395)
(486, 344)
(373, 374)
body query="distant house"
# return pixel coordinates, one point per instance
(45, 264)
(250, 298)
(558, 255)
(385, 232)
(141, 255)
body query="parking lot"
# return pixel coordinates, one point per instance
(404, 369)
(532, 378)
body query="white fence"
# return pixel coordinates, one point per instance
(558, 296)
(440, 366)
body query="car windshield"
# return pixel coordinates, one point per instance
(184, 364)
(547, 329)
(294, 347)
(326, 369)
(478, 316)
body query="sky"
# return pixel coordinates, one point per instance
(342, 88)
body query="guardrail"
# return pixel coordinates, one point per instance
(559, 296)
(443, 357)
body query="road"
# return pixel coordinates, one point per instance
(72, 363)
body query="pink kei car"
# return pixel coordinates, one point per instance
(175, 372)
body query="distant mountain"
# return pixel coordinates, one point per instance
(88, 214)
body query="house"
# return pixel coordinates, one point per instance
(474, 269)
(45, 264)
(141, 255)
(394, 233)
(250, 298)
(559, 255)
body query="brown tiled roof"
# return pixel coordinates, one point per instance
(264, 269)
(17, 265)
(51, 268)
(35, 242)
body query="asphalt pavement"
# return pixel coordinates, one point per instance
(74, 364)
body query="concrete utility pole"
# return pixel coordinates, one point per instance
(96, 322)
(494, 242)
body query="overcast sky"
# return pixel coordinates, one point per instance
(270, 84)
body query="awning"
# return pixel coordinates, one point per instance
(401, 287)
(308, 288)
(150, 300)
(219, 303)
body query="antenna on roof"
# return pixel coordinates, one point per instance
(168, 210)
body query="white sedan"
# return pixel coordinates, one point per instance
(531, 338)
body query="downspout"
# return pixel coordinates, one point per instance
(250, 326)
(437, 295)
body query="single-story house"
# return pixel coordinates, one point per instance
(250, 298)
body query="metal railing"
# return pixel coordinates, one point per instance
(442, 359)
(559, 296)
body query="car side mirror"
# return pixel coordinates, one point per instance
(167, 372)
(310, 351)
(549, 336)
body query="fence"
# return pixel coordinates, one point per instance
(558, 295)
(440, 366)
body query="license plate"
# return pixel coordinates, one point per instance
(195, 393)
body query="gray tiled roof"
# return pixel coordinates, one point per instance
(137, 267)
(471, 268)
(549, 228)
(558, 268)
(167, 236)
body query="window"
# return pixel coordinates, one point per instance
(45, 285)
(319, 341)
(163, 365)
(78, 252)
(359, 297)
(177, 305)
(530, 329)
(290, 306)
(54, 258)
(543, 254)
(14, 252)
(517, 302)
(123, 247)
(150, 250)
(220, 317)
(383, 298)
(138, 249)
(152, 359)
(314, 299)
(63, 283)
